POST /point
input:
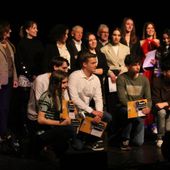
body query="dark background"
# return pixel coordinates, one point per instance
(87, 13)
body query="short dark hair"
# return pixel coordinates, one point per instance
(57, 32)
(132, 59)
(166, 31)
(57, 61)
(83, 57)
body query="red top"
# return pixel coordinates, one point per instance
(148, 45)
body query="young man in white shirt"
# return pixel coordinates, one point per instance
(85, 86)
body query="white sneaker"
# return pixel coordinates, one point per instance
(154, 129)
(159, 143)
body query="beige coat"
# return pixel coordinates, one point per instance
(116, 62)
(4, 65)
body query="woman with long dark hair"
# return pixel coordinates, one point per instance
(53, 117)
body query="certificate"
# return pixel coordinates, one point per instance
(149, 57)
(135, 108)
(112, 86)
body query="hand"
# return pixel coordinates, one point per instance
(65, 122)
(15, 84)
(97, 119)
(97, 113)
(34, 77)
(161, 105)
(146, 110)
(98, 71)
(153, 61)
(113, 78)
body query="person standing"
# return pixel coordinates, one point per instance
(8, 76)
(129, 37)
(29, 54)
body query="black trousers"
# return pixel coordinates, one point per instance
(5, 99)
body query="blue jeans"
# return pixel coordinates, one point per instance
(107, 117)
(163, 121)
(133, 129)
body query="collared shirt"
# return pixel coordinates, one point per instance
(78, 44)
(83, 89)
(63, 51)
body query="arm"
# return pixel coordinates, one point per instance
(159, 103)
(147, 92)
(112, 76)
(46, 108)
(44, 121)
(121, 90)
(147, 95)
(40, 87)
(156, 91)
(98, 96)
(105, 66)
(98, 112)
(102, 68)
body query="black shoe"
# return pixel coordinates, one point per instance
(48, 154)
(77, 144)
(97, 146)
(125, 146)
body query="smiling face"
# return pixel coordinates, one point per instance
(77, 33)
(64, 84)
(92, 42)
(32, 31)
(129, 25)
(150, 30)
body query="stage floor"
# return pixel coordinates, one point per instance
(145, 157)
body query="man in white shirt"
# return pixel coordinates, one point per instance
(85, 86)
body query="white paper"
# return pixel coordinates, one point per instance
(140, 113)
(149, 57)
(96, 132)
(112, 86)
(72, 115)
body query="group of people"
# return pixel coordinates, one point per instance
(80, 71)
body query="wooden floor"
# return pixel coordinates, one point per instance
(145, 157)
